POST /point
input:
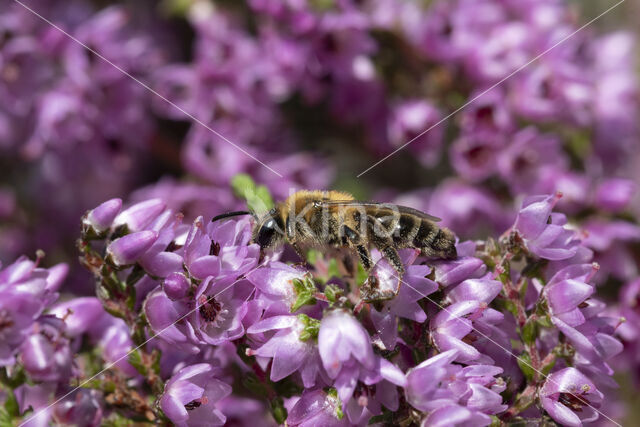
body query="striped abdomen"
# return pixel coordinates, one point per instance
(413, 231)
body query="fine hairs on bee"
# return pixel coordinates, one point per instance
(333, 220)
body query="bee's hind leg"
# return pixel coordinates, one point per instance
(371, 290)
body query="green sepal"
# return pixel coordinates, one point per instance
(333, 292)
(278, 410)
(305, 290)
(333, 394)
(311, 327)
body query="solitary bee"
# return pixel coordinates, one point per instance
(333, 220)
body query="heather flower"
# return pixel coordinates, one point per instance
(277, 285)
(614, 195)
(523, 162)
(84, 407)
(408, 120)
(451, 272)
(220, 250)
(190, 396)
(609, 241)
(128, 249)
(570, 398)
(175, 286)
(112, 337)
(293, 347)
(45, 354)
(79, 314)
(317, 407)
(544, 233)
(221, 311)
(474, 158)
(140, 215)
(340, 339)
(23, 297)
(567, 290)
(101, 217)
(456, 324)
(345, 348)
(437, 383)
(413, 286)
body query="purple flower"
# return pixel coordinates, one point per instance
(408, 120)
(83, 407)
(414, 286)
(523, 162)
(190, 397)
(437, 383)
(140, 215)
(544, 233)
(276, 285)
(175, 286)
(609, 240)
(467, 209)
(345, 348)
(614, 195)
(315, 408)
(341, 339)
(101, 217)
(128, 249)
(45, 354)
(570, 398)
(290, 347)
(220, 250)
(567, 290)
(23, 297)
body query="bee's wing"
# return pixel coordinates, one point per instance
(401, 209)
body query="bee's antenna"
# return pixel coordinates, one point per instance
(229, 214)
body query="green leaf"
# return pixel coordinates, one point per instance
(11, 404)
(530, 331)
(258, 198)
(6, 419)
(524, 362)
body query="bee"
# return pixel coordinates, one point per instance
(335, 221)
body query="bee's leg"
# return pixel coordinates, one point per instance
(365, 257)
(371, 291)
(300, 251)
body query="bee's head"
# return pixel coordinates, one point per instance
(269, 230)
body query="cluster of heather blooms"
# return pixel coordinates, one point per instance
(193, 324)
(74, 130)
(379, 73)
(39, 342)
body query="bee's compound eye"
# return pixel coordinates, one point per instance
(266, 233)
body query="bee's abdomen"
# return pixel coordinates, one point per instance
(434, 241)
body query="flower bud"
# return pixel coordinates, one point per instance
(102, 217)
(176, 286)
(141, 214)
(127, 249)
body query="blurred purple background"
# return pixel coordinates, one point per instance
(320, 91)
